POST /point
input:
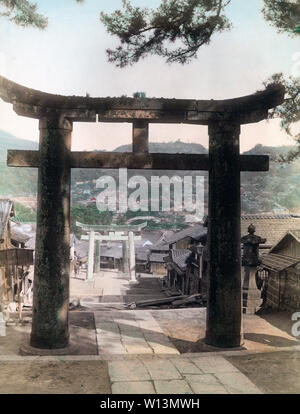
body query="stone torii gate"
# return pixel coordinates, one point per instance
(55, 159)
(115, 233)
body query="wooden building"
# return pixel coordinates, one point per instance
(13, 256)
(185, 270)
(156, 261)
(183, 239)
(142, 263)
(193, 271)
(111, 256)
(280, 272)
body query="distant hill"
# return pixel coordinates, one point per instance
(176, 147)
(9, 141)
(277, 189)
(16, 181)
(273, 152)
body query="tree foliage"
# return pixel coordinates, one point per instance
(177, 29)
(284, 15)
(23, 13)
(186, 24)
(289, 111)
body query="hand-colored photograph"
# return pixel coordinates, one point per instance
(149, 200)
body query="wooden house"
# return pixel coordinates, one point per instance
(156, 261)
(111, 256)
(13, 255)
(280, 270)
(185, 270)
(142, 263)
(185, 238)
(270, 226)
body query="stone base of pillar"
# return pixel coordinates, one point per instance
(251, 295)
(224, 341)
(27, 350)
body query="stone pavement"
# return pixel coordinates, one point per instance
(112, 287)
(193, 375)
(228, 372)
(131, 332)
(151, 351)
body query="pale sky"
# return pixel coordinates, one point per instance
(69, 58)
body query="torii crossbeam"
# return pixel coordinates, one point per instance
(54, 160)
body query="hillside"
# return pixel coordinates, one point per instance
(9, 141)
(275, 190)
(176, 147)
(16, 181)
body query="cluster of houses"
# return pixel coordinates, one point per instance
(180, 258)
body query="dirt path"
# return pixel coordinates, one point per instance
(57, 377)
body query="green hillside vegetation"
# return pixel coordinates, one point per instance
(275, 190)
(24, 214)
(88, 215)
(16, 181)
(175, 147)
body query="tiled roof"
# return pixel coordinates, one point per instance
(271, 227)
(158, 247)
(296, 234)
(278, 262)
(180, 256)
(162, 242)
(288, 235)
(157, 257)
(194, 232)
(142, 256)
(265, 216)
(111, 251)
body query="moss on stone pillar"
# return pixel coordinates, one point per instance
(52, 256)
(224, 311)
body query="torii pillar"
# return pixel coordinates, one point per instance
(97, 264)
(55, 160)
(131, 258)
(125, 257)
(224, 315)
(52, 252)
(91, 254)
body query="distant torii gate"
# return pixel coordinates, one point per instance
(54, 159)
(123, 233)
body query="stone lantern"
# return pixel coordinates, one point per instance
(250, 261)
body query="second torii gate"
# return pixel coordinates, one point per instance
(55, 159)
(115, 233)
